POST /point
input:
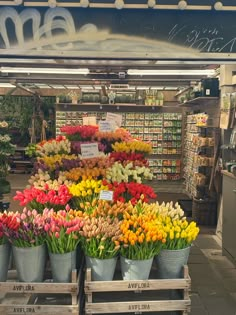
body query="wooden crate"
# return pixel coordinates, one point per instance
(138, 304)
(27, 294)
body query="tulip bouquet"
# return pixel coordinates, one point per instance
(133, 192)
(142, 236)
(3, 217)
(86, 191)
(100, 237)
(77, 133)
(39, 199)
(138, 159)
(174, 211)
(134, 146)
(24, 229)
(57, 162)
(44, 181)
(120, 173)
(60, 145)
(62, 230)
(80, 173)
(179, 233)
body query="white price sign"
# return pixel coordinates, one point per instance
(114, 118)
(106, 126)
(89, 120)
(89, 150)
(106, 195)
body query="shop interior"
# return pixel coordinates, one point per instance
(175, 105)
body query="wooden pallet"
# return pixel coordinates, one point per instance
(138, 303)
(24, 297)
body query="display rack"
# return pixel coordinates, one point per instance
(162, 130)
(198, 157)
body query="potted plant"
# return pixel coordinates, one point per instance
(62, 237)
(179, 237)
(4, 250)
(99, 240)
(26, 234)
(6, 149)
(142, 239)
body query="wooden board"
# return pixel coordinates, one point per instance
(138, 303)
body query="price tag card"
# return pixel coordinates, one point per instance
(106, 126)
(106, 195)
(89, 150)
(114, 118)
(90, 120)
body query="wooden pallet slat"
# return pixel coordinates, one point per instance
(32, 291)
(137, 305)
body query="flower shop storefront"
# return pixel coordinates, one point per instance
(89, 201)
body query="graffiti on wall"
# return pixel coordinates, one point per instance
(60, 29)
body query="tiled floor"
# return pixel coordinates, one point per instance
(213, 275)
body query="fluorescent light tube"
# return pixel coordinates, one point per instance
(7, 85)
(45, 70)
(171, 72)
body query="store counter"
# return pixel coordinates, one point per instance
(229, 215)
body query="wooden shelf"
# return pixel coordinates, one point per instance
(116, 107)
(204, 100)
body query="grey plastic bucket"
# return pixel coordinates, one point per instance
(30, 263)
(5, 251)
(135, 269)
(170, 263)
(102, 269)
(62, 266)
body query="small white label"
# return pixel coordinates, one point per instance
(106, 195)
(89, 150)
(208, 91)
(105, 126)
(90, 120)
(114, 118)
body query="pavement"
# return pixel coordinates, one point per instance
(213, 275)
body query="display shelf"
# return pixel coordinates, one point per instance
(202, 100)
(146, 126)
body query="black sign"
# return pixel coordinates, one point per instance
(111, 33)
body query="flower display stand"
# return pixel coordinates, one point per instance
(134, 296)
(44, 298)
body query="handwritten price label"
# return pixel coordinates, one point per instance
(106, 195)
(89, 150)
(114, 118)
(89, 120)
(106, 126)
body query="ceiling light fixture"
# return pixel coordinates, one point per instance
(208, 72)
(44, 70)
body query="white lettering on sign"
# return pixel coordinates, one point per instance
(89, 150)
(114, 118)
(106, 126)
(106, 195)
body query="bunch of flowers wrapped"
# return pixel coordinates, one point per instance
(86, 191)
(100, 236)
(62, 230)
(106, 139)
(43, 180)
(179, 233)
(129, 172)
(24, 229)
(142, 235)
(174, 211)
(57, 162)
(138, 159)
(77, 133)
(6, 149)
(133, 192)
(134, 146)
(39, 199)
(60, 145)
